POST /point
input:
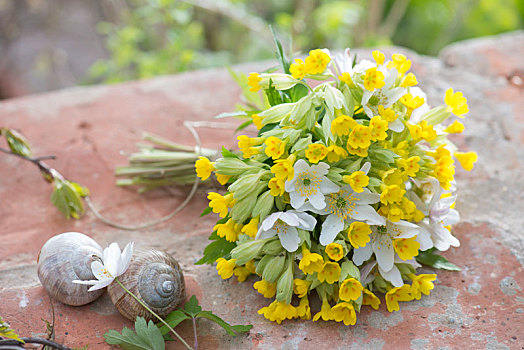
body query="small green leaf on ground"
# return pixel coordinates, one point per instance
(428, 258)
(146, 336)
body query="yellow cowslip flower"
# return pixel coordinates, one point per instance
(317, 61)
(230, 230)
(391, 211)
(361, 152)
(456, 102)
(301, 287)
(422, 284)
(409, 80)
(222, 179)
(358, 180)
(440, 152)
(268, 290)
(378, 56)
(257, 120)
(368, 298)
(219, 203)
(225, 267)
(342, 125)
(330, 272)
(402, 149)
(387, 113)
(374, 79)
(310, 262)
(410, 166)
(400, 62)
(466, 159)
(378, 128)
(276, 186)
(422, 131)
(444, 170)
(283, 168)
(253, 81)
(394, 295)
(411, 102)
(344, 312)
(346, 78)
(303, 309)
(392, 194)
(298, 69)
(350, 289)
(243, 272)
(358, 234)
(204, 168)
(406, 248)
(325, 312)
(278, 311)
(335, 251)
(274, 147)
(410, 211)
(455, 128)
(335, 153)
(315, 152)
(251, 228)
(360, 137)
(394, 176)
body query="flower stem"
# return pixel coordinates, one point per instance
(154, 314)
(195, 332)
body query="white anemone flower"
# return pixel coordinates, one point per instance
(309, 183)
(381, 244)
(115, 263)
(439, 214)
(346, 206)
(385, 96)
(285, 224)
(416, 115)
(343, 63)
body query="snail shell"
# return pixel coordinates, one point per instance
(64, 258)
(155, 278)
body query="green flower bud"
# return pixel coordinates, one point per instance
(380, 284)
(436, 115)
(405, 270)
(272, 248)
(243, 209)
(248, 250)
(349, 270)
(273, 269)
(264, 205)
(285, 284)
(276, 113)
(231, 166)
(245, 185)
(261, 265)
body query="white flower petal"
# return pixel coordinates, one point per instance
(270, 221)
(424, 239)
(383, 248)
(101, 285)
(289, 239)
(91, 282)
(452, 218)
(99, 270)
(327, 186)
(289, 218)
(365, 168)
(396, 126)
(296, 199)
(321, 168)
(330, 228)
(317, 200)
(126, 258)
(266, 234)
(113, 257)
(306, 221)
(368, 214)
(366, 197)
(362, 254)
(393, 276)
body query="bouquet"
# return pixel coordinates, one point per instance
(347, 188)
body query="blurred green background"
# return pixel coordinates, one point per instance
(154, 37)
(53, 44)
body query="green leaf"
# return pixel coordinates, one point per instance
(244, 125)
(147, 337)
(231, 114)
(17, 142)
(437, 261)
(297, 92)
(206, 211)
(281, 56)
(273, 95)
(67, 198)
(7, 332)
(217, 249)
(231, 330)
(228, 154)
(173, 319)
(191, 307)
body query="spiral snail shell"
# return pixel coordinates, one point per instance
(64, 258)
(155, 278)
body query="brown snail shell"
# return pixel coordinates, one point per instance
(155, 278)
(64, 258)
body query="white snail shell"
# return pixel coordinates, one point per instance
(64, 258)
(155, 278)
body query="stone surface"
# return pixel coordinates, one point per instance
(89, 129)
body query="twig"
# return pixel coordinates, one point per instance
(34, 340)
(44, 168)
